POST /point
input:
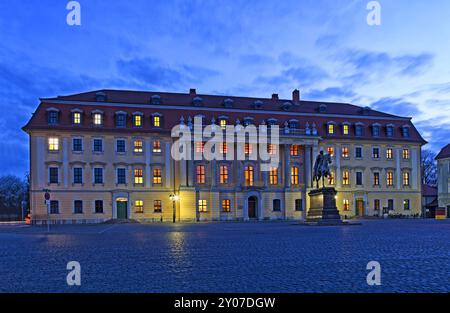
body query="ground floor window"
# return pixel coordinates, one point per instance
(346, 204)
(78, 207)
(98, 206)
(157, 206)
(277, 205)
(406, 204)
(202, 206)
(226, 205)
(390, 205)
(54, 207)
(139, 206)
(298, 205)
(376, 205)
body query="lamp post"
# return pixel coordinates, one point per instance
(174, 198)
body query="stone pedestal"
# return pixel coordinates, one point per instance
(322, 208)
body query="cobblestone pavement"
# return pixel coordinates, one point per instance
(228, 257)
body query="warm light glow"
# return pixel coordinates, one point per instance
(53, 144)
(97, 119)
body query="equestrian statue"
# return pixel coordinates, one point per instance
(321, 169)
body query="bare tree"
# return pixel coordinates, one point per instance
(428, 167)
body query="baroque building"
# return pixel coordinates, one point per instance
(107, 154)
(443, 166)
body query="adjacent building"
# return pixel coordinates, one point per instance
(443, 164)
(106, 154)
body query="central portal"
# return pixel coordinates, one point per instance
(252, 207)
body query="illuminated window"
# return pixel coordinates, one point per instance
(76, 118)
(156, 121)
(138, 146)
(345, 129)
(139, 206)
(406, 206)
(330, 129)
(294, 175)
(157, 180)
(376, 153)
(273, 176)
(157, 146)
(346, 204)
(202, 206)
(248, 148)
(345, 153)
(331, 178)
(138, 176)
(98, 119)
(294, 150)
(376, 179)
(157, 206)
(345, 178)
(271, 149)
(200, 174)
(249, 175)
(223, 148)
(405, 154)
(406, 179)
(330, 151)
(389, 154)
(223, 174)
(390, 178)
(199, 147)
(376, 205)
(223, 124)
(53, 144)
(226, 205)
(137, 120)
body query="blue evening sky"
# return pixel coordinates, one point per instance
(236, 47)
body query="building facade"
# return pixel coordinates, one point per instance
(106, 154)
(443, 164)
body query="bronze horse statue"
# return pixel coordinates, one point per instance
(321, 169)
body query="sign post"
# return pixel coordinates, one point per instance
(47, 203)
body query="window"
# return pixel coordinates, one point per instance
(53, 144)
(345, 178)
(223, 148)
(375, 131)
(249, 176)
(389, 154)
(54, 207)
(120, 145)
(271, 149)
(376, 179)
(138, 176)
(121, 120)
(376, 153)
(376, 205)
(391, 205)
(298, 205)
(358, 152)
(156, 121)
(406, 179)
(273, 176)
(199, 147)
(294, 150)
(98, 119)
(157, 206)
(121, 176)
(137, 120)
(53, 117)
(201, 174)
(77, 175)
(223, 174)
(359, 130)
(76, 118)
(331, 178)
(390, 178)
(346, 204)
(202, 206)
(157, 146)
(98, 175)
(77, 144)
(226, 205)
(405, 131)
(390, 131)
(157, 180)
(294, 175)
(98, 206)
(406, 205)
(345, 129)
(98, 145)
(223, 124)
(345, 153)
(53, 175)
(138, 146)
(248, 148)
(139, 206)
(359, 178)
(330, 151)
(330, 129)
(78, 207)
(277, 205)
(405, 154)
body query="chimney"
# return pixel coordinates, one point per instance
(296, 95)
(192, 92)
(274, 96)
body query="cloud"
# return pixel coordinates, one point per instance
(396, 106)
(335, 93)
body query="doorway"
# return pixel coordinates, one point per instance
(359, 207)
(252, 207)
(122, 209)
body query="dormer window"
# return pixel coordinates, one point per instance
(53, 116)
(121, 119)
(271, 122)
(293, 124)
(390, 130)
(228, 103)
(137, 119)
(97, 118)
(405, 131)
(322, 108)
(376, 130)
(331, 128)
(77, 116)
(366, 110)
(286, 106)
(359, 129)
(156, 120)
(223, 122)
(100, 96)
(346, 128)
(156, 99)
(248, 121)
(197, 102)
(257, 104)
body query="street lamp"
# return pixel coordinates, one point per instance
(174, 198)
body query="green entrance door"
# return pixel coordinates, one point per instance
(122, 209)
